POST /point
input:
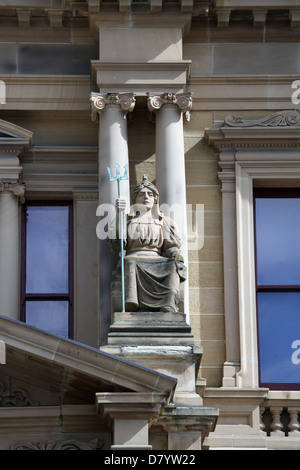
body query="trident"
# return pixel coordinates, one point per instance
(118, 178)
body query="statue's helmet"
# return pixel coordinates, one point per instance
(145, 183)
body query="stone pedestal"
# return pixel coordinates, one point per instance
(163, 341)
(149, 328)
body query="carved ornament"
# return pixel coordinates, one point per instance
(70, 444)
(16, 188)
(14, 397)
(282, 118)
(182, 100)
(125, 101)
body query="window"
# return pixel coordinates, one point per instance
(277, 238)
(46, 296)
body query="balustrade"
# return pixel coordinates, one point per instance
(281, 421)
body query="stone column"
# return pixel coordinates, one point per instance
(10, 191)
(111, 110)
(170, 162)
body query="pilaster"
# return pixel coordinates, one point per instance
(231, 301)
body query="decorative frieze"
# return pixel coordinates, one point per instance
(124, 101)
(282, 118)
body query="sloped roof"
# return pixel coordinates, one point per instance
(73, 371)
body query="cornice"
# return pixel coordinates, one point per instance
(99, 12)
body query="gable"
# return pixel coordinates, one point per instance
(15, 133)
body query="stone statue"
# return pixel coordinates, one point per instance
(153, 264)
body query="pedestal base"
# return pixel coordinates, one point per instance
(163, 341)
(150, 328)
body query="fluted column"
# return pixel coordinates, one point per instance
(110, 109)
(170, 162)
(10, 192)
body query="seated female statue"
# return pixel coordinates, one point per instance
(153, 265)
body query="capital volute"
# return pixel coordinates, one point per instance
(182, 100)
(17, 189)
(99, 101)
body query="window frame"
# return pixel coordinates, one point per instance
(271, 192)
(68, 296)
(253, 152)
(254, 169)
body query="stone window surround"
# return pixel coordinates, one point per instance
(252, 153)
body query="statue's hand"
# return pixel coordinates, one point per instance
(121, 203)
(178, 257)
(174, 253)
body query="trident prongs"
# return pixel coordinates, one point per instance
(118, 176)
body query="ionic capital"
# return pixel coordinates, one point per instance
(124, 101)
(182, 100)
(16, 189)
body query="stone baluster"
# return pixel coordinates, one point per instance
(170, 162)
(262, 424)
(294, 426)
(110, 109)
(276, 425)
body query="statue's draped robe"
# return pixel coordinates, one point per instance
(152, 275)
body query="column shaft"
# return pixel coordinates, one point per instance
(170, 163)
(111, 109)
(9, 259)
(113, 149)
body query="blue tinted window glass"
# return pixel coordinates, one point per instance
(50, 315)
(278, 241)
(47, 249)
(279, 337)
